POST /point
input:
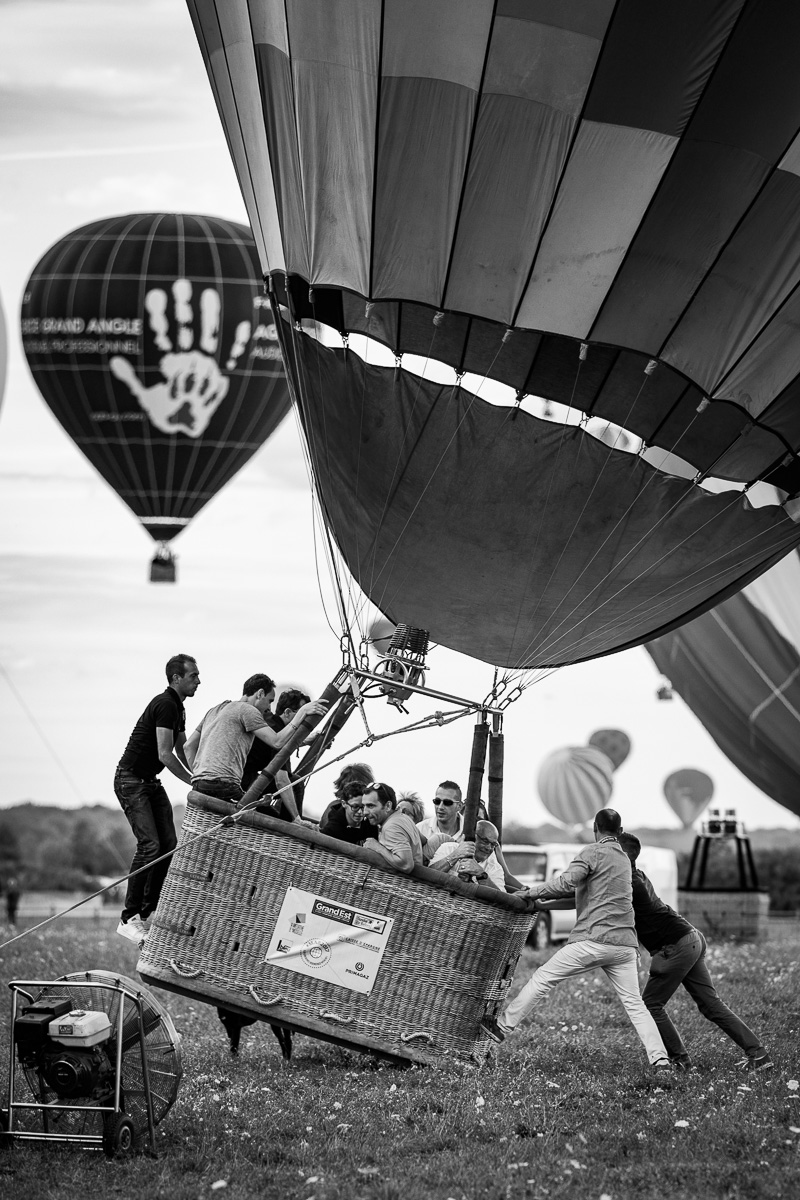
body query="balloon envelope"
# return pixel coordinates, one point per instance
(738, 669)
(688, 792)
(574, 783)
(150, 342)
(613, 742)
(638, 264)
(3, 353)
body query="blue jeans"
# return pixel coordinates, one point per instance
(149, 812)
(684, 962)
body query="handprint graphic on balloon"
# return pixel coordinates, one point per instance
(194, 385)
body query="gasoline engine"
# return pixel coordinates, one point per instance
(68, 1049)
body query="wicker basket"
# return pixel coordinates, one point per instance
(449, 958)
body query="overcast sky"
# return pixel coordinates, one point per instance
(106, 110)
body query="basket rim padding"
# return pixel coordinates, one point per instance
(301, 833)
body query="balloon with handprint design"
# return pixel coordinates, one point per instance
(150, 340)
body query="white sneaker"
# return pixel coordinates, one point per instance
(134, 929)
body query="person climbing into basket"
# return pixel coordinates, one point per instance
(217, 749)
(477, 859)
(679, 957)
(157, 741)
(604, 936)
(399, 843)
(285, 798)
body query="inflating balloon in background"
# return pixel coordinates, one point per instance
(688, 792)
(613, 742)
(738, 669)
(638, 267)
(574, 783)
(3, 353)
(149, 340)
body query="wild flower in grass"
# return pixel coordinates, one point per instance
(793, 1085)
(681, 1124)
(218, 1184)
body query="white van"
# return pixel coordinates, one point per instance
(534, 864)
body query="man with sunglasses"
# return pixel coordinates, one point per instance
(447, 819)
(458, 857)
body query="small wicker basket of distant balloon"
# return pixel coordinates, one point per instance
(282, 923)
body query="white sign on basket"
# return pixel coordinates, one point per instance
(327, 940)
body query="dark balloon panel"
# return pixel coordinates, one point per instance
(150, 341)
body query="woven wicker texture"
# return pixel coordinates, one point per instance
(450, 956)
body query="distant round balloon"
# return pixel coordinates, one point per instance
(151, 342)
(688, 792)
(575, 782)
(380, 634)
(614, 743)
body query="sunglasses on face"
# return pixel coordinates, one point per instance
(446, 803)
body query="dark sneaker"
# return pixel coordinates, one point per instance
(758, 1062)
(495, 1031)
(684, 1063)
(662, 1071)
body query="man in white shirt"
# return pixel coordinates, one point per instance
(454, 857)
(447, 823)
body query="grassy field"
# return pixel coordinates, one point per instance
(567, 1109)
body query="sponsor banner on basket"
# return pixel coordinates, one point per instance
(328, 940)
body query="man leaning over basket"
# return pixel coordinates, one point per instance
(399, 843)
(217, 749)
(604, 936)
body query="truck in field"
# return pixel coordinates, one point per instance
(537, 863)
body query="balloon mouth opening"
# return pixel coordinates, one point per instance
(377, 353)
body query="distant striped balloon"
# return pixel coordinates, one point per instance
(575, 782)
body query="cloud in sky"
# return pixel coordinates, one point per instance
(145, 191)
(74, 69)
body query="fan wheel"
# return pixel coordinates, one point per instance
(118, 1134)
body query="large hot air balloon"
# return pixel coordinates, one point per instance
(688, 791)
(151, 343)
(597, 205)
(738, 669)
(574, 783)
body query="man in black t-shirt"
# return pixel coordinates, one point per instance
(156, 742)
(679, 957)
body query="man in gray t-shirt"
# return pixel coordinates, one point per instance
(217, 749)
